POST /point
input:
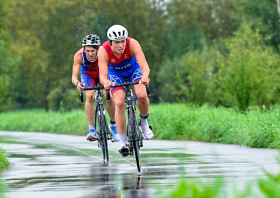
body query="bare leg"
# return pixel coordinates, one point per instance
(119, 98)
(89, 106)
(143, 106)
(110, 107)
(143, 100)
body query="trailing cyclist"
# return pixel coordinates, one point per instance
(120, 57)
(87, 59)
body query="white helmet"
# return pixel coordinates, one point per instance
(91, 40)
(117, 33)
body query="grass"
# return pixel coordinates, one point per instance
(4, 164)
(254, 128)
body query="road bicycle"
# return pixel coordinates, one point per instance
(134, 133)
(102, 130)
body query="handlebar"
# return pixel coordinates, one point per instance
(126, 84)
(108, 91)
(95, 88)
(133, 83)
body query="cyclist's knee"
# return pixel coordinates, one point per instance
(119, 104)
(142, 97)
(89, 97)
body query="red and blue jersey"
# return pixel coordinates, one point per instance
(125, 62)
(90, 67)
(124, 67)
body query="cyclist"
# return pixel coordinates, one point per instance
(87, 59)
(119, 57)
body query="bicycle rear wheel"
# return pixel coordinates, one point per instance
(133, 121)
(103, 137)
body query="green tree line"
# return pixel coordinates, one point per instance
(217, 52)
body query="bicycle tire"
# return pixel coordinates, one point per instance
(103, 136)
(133, 121)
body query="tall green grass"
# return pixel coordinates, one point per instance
(254, 128)
(38, 120)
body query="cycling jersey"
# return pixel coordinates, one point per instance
(123, 67)
(89, 70)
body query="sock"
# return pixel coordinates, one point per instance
(144, 116)
(91, 126)
(143, 121)
(112, 123)
(122, 139)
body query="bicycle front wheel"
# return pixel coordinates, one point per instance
(133, 121)
(103, 138)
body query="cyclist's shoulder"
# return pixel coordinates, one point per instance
(102, 53)
(134, 46)
(78, 57)
(106, 45)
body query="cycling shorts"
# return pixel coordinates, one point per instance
(134, 73)
(87, 77)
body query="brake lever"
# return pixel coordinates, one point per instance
(108, 97)
(148, 90)
(81, 95)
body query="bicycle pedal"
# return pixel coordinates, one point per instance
(124, 154)
(92, 139)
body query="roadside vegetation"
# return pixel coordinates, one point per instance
(4, 164)
(267, 187)
(255, 127)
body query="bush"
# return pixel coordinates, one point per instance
(240, 72)
(249, 74)
(65, 97)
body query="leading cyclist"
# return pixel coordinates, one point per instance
(119, 57)
(87, 59)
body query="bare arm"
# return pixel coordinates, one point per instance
(103, 68)
(135, 49)
(78, 59)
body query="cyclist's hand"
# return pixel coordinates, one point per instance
(80, 86)
(109, 85)
(144, 81)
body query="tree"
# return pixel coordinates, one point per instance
(9, 62)
(249, 74)
(46, 38)
(254, 10)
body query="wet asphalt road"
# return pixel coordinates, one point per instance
(48, 166)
